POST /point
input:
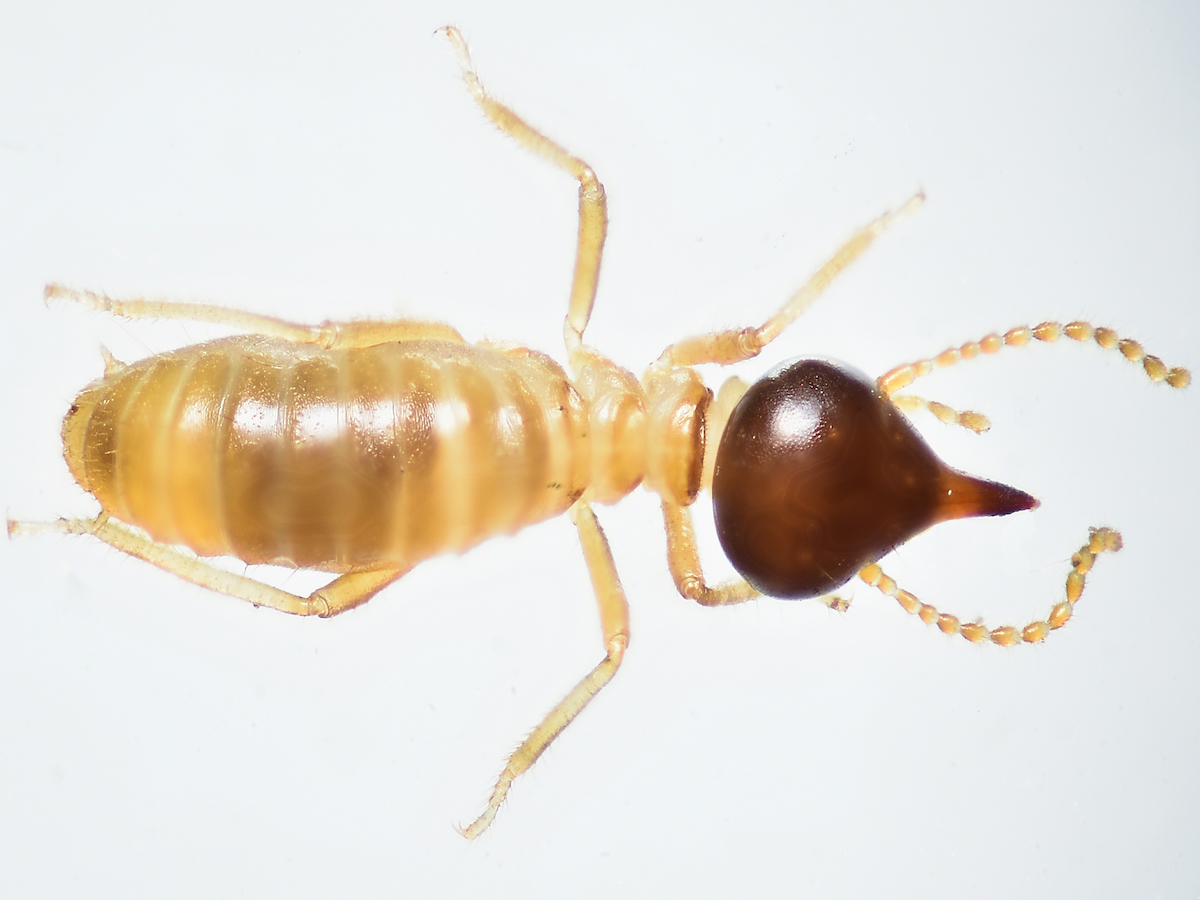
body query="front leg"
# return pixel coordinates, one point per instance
(728, 347)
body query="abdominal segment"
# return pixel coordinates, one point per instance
(337, 460)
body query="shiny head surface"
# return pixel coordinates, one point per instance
(818, 475)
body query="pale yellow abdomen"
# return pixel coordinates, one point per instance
(331, 459)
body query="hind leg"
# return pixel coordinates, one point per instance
(329, 334)
(344, 592)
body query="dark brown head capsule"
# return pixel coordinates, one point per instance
(818, 475)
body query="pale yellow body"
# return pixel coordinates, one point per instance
(363, 448)
(339, 460)
(369, 457)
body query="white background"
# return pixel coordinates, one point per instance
(324, 160)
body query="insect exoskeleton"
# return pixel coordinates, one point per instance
(342, 460)
(818, 475)
(362, 448)
(338, 460)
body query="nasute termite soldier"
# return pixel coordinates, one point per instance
(362, 448)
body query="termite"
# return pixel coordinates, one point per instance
(361, 448)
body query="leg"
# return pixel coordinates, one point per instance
(1048, 332)
(1100, 540)
(716, 417)
(330, 335)
(614, 621)
(683, 559)
(341, 594)
(593, 208)
(728, 347)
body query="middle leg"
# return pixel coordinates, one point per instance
(593, 207)
(614, 623)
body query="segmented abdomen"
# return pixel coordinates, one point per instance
(331, 459)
